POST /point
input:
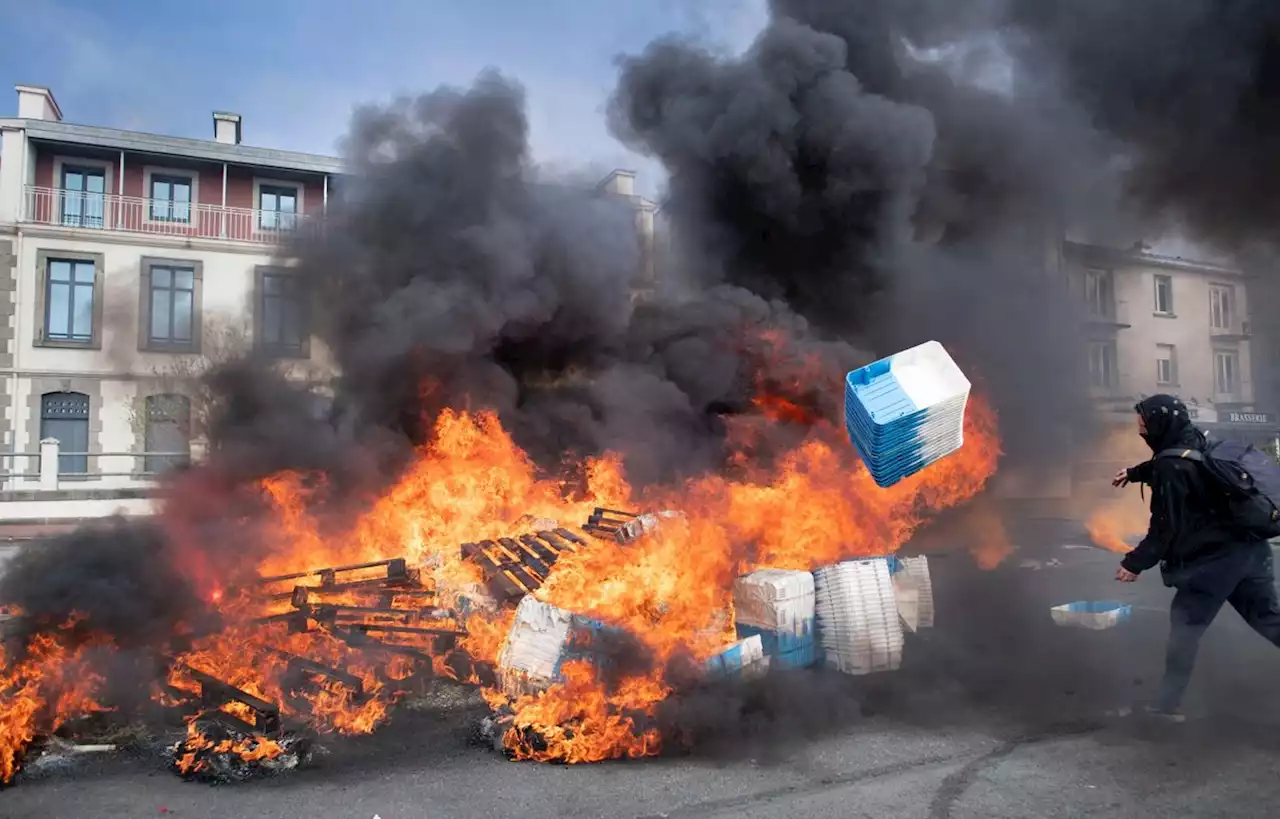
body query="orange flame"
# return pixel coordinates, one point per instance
(39, 692)
(811, 505)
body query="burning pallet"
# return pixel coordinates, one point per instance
(515, 567)
(624, 527)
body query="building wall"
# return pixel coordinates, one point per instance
(116, 374)
(1186, 330)
(1140, 332)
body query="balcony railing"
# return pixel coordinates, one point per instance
(154, 217)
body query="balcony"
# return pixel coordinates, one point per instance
(154, 217)
(1107, 316)
(1234, 331)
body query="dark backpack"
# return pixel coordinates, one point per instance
(1249, 480)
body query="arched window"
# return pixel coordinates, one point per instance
(65, 416)
(168, 432)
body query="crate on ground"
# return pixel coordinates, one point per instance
(744, 659)
(856, 617)
(777, 605)
(1095, 615)
(906, 411)
(913, 590)
(541, 639)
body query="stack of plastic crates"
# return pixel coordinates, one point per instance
(856, 616)
(776, 605)
(906, 411)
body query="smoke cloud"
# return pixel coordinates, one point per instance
(870, 174)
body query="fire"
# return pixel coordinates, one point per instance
(811, 504)
(1111, 524)
(39, 692)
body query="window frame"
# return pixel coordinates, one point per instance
(1156, 280)
(1234, 357)
(1110, 359)
(1228, 306)
(261, 186)
(86, 166)
(145, 342)
(277, 350)
(43, 259)
(1101, 302)
(153, 174)
(1172, 359)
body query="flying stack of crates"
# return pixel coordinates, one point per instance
(906, 411)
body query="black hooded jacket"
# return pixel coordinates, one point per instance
(1185, 524)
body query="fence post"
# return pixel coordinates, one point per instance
(49, 463)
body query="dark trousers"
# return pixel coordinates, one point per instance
(1242, 575)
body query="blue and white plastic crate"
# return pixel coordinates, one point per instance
(906, 411)
(777, 606)
(1091, 614)
(542, 638)
(856, 616)
(744, 659)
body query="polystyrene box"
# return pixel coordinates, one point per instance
(1091, 615)
(916, 569)
(542, 637)
(774, 600)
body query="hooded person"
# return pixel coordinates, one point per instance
(1202, 556)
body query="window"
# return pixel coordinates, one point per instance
(170, 198)
(170, 308)
(168, 428)
(1220, 299)
(83, 196)
(1164, 295)
(1226, 373)
(282, 319)
(69, 295)
(65, 416)
(277, 207)
(1102, 364)
(1166, 365)
(1098, 297)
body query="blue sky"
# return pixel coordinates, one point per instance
(295, 68)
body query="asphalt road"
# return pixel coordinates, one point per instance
(996, 713)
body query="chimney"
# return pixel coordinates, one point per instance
(37, 102)
(622, 183)
(226, 128)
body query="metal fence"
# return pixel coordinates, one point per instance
(131, 214)
(50, 467)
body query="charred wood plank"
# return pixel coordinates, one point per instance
(545, 553)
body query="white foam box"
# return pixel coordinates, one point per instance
(856, 615)
(775, 600)
(530, 658)
(913, 588)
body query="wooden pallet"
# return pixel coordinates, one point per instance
(515, 567)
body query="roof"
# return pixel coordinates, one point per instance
(96, 136)
(1136, 257)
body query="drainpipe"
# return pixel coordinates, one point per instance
(120, 193)
(325, 206)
